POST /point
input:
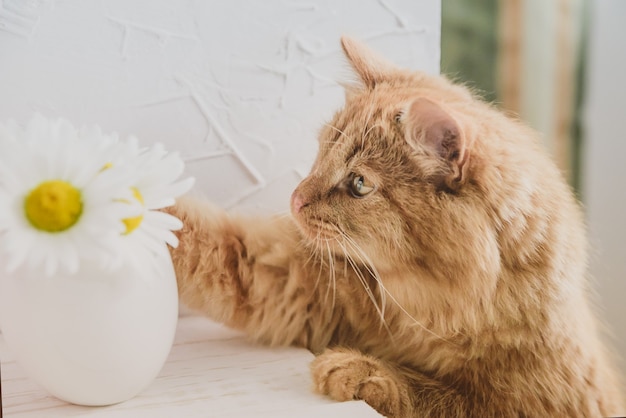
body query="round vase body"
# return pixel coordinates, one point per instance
(96, 337)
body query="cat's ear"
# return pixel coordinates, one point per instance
(430, 127)
(371, 68)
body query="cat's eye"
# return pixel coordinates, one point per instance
(360, 187)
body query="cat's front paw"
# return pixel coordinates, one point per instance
(345, 374)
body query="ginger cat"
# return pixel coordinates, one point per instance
(435, 261)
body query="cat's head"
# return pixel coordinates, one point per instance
(400, 177)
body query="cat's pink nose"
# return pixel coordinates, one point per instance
(297, 202)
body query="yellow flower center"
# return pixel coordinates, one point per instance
(133, 223)
(53, 206)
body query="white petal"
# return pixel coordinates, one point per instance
(164, 196)
(163, 220)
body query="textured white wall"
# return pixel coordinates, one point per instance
(239, 87)
(604, 190)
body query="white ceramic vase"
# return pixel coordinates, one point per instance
(97, 337)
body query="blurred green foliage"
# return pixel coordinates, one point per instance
(469, 44)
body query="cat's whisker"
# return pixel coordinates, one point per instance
(434, 334)
(315, 257)
(313, 253)
(369, 270)
(329, 272)
(332, 278)
(318, 253)
(369, 266)
(365, 259)
(366, 286)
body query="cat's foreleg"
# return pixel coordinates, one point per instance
(346, 374)
(246, 273)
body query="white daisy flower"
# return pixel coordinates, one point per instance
(57, 203)
(155, 188)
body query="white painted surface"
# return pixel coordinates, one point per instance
(239, 87)
(211, 372)
(604, 155)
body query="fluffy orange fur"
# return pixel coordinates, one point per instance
(435, 261)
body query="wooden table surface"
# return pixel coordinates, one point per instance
(211, 371)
